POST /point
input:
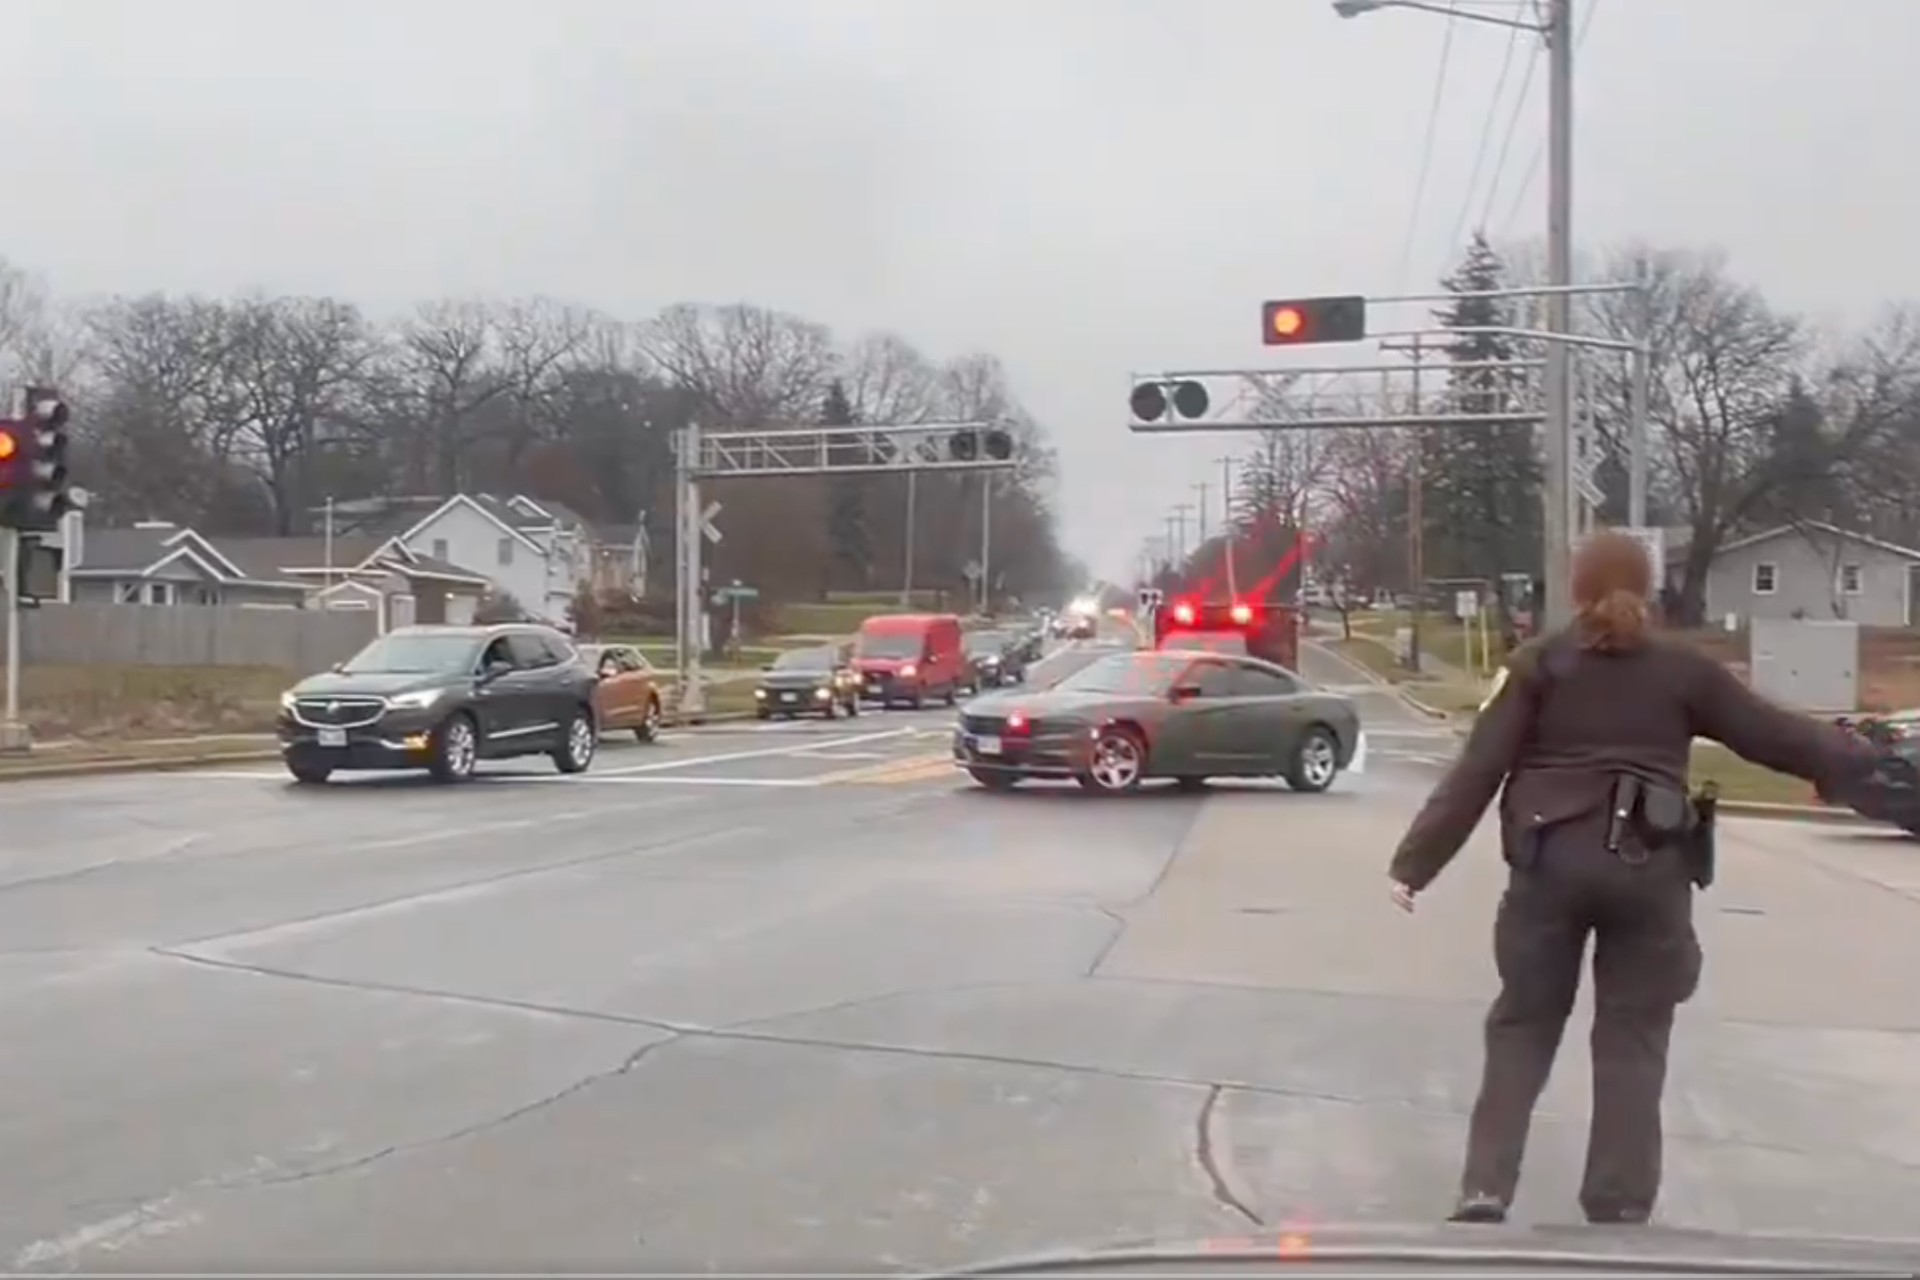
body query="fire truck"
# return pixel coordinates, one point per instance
(1270, 632)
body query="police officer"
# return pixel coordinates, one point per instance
(1597, 718)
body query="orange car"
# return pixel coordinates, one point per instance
(628, 695)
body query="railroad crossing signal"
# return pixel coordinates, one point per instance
(969, 446)
(1155, 399)
(1299, 321)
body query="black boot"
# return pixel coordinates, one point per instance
(1480, 1208)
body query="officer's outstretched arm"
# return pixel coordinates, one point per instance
(1456, 805)
(1768, 734)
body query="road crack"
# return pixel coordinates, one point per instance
(1206, 1154)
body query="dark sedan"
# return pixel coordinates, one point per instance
(1892, 794)
(442, 699)
(994, 658)
(808, 682)
(1161, 714)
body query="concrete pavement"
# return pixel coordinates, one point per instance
(798, 997)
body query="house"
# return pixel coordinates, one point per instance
(537, 552)
(157, 563)
(398, 584)
(1813, 570)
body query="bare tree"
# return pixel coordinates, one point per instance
(749, 367)
(1366, 486)
(540, 341)
(888, 381)
(294, 365)
(448, 369)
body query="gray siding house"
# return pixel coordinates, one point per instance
(1813, 571)
(163, 564)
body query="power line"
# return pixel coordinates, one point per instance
(1486, 136)
(1426, 147)
(1506, 143)
(1540, 147)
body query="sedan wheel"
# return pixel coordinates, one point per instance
(649, 729)
(1119, 763)
(1316, 761)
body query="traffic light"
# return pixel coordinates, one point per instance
(1151, 401)
(1298, 321)
(970, 446)
(34, 489)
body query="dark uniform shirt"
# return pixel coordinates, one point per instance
(1564, 720)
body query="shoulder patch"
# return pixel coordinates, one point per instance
(1499, 683)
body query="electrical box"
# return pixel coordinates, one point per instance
(1811, 666)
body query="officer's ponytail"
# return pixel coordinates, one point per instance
(1612, 578)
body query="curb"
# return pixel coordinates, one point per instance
(52, 769)
(1796, 813)
(131, 764)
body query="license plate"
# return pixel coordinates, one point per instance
(987, 745)
(333, 737)
(788, 697)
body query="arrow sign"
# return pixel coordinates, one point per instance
(707, 528)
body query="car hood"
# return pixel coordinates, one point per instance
(795, 679)
(382, 683)
(1057, 702)
(1449, 1248)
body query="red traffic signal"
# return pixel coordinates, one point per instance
(1305, 320)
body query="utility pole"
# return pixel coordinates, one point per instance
(1416, 525)
(906, 577)
(1180, 510)
(986, 544)
(1173, 543)
(1200, 520)
(1557, 570)
(1226, 522)
(1637, 396)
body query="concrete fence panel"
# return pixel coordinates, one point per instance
(299, 640)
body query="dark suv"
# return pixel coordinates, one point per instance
(442, 699)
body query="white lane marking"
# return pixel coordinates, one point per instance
(669, 780)
(756, 754)
(843, 755)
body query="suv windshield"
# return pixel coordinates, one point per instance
(804, 660)
(414, 655)
(1144, 674)
(891, 645)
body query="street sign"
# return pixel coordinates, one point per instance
(972, 571)
(1466, 604)
(735, 591)
(708, 529)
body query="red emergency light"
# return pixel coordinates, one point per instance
(1183, 614)
(1241, 613)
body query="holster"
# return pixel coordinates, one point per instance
(1644, 817)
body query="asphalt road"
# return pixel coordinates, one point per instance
(798, 997)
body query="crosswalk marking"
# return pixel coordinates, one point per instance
(915, 768)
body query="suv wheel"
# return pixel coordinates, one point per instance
(577, 743)
(455, 749)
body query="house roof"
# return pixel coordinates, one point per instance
(403, 516)
(1821, 526)
(143, 550)
(308, 557)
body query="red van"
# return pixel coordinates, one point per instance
(910, 658)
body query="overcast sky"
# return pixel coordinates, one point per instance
(1084, 187)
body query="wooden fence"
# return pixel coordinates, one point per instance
(301, 640)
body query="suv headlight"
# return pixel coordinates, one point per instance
(418, 700)
(287, 700)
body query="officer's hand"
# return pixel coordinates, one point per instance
(1403, 896)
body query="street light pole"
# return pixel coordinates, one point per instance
(1557, 569)
(1557, 513)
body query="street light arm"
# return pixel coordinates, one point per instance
(1353, 9)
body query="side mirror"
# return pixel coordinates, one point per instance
(1185, 692)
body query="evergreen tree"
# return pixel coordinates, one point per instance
(1481, 484)
(847, 499)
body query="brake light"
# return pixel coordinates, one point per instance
(1243, 614)
(1183, 614)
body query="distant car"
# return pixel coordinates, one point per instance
(1892, 794)
(994, 658)
(629, 692)
(442, 699)
(910, 658)
(808, 682)
(1172, 714)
